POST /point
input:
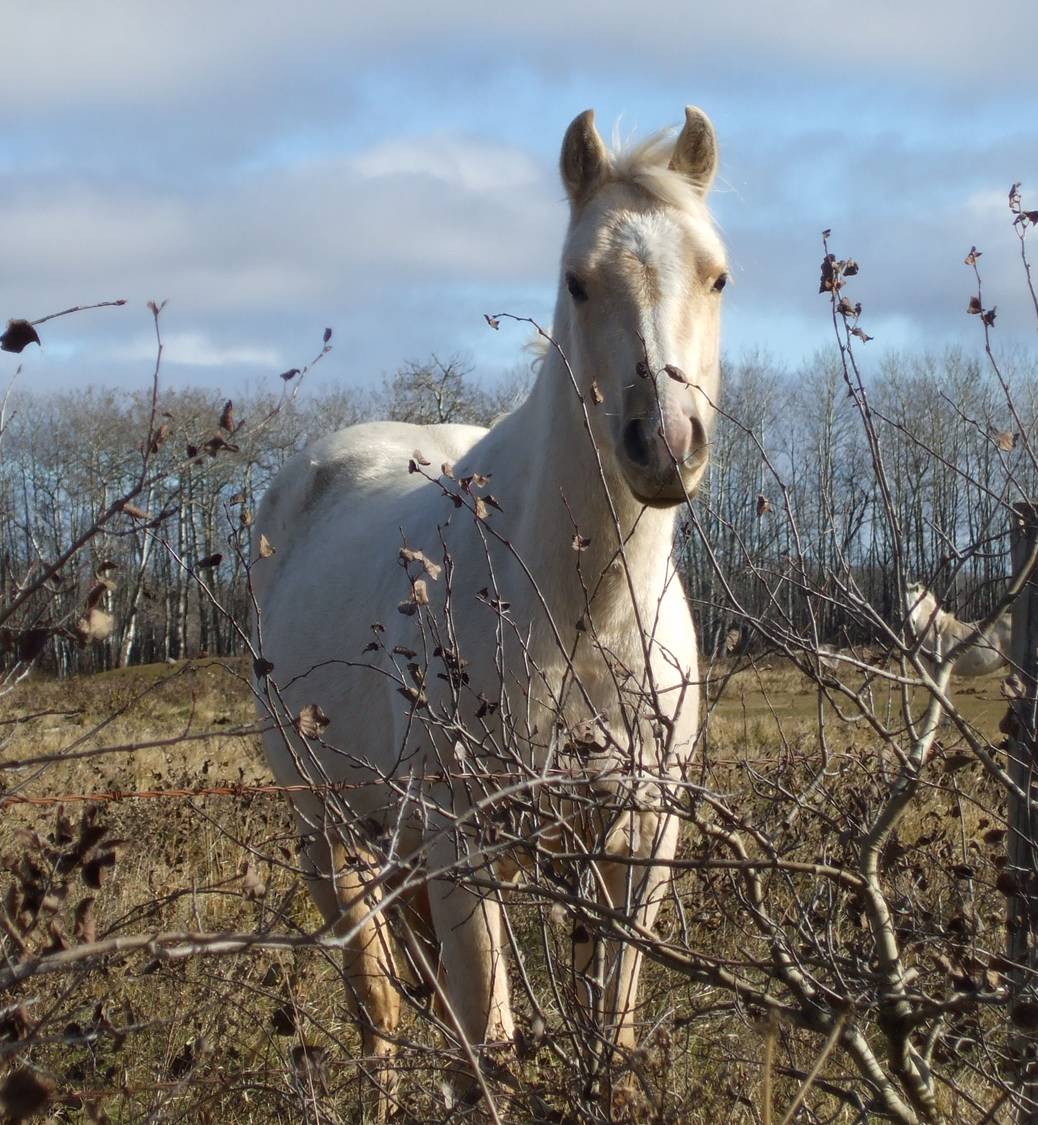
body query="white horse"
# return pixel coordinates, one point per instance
(941, 631)
(545, 601)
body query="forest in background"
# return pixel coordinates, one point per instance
(791, 491)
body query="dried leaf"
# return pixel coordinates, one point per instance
(763, 505)
(311, 1065)
(829, 280)
(18, 336)
(1012, 687)
(479, 508)
(486, 706)
(972, 256)
(596, 394)
(1006, 440)
(92, 868)
(210, 561)
(447, 470)
(133, 510)
(327, 335)
(311, 721)
(1008, 883)
(291, 373)
(676, 374)
(988, 316)
(96, 593)
(85, 924)
(23, 1093)
(419, 459)
(265, 550)
(861, 334)
(492, 321)
(580, 542)
(159, 437)
(262, 667)
(1024, 1013)
(414, 696)
(30, 644)
(96, 625)
(433, 570)
(283, 1020)
(227, 417)
(253, 885)
(420, 592)
(975, 307)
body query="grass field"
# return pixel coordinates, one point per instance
(264, 1037)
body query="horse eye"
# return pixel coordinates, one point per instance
(575, 287)
(721, 282)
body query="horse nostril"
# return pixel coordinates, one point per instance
(698, 441)
(635, 443)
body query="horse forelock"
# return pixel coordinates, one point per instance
(646, 166)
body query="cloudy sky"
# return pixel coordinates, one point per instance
(390, 170)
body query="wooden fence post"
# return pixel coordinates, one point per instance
(1022, 909)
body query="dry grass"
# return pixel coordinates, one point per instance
(218, 1039)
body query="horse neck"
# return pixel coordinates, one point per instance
(563, 487)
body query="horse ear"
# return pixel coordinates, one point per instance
(695, 151)
(585, 159)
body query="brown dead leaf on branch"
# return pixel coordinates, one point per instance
(94, 625)
(432, 569)
(419, 597)
(311, 721)
(1006, 440)
(25, 1093)
(252, 884)
(18, 336)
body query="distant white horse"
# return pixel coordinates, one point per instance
(941, 631)
(549, 599)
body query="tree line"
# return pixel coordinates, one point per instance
(792, 506)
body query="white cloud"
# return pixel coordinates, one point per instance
(196, 349)
(469, 165)
(151, 50)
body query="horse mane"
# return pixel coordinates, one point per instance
(646, 165)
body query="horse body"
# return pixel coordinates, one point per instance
(941, 631)
(556, 606)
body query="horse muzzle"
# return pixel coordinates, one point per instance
(663, 463)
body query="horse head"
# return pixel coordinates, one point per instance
(639, 302)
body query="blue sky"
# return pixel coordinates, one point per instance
(271, 170)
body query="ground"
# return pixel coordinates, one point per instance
(264, 1037)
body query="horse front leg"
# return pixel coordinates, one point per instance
(339, 884)
(469, 928)
(637, 891)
